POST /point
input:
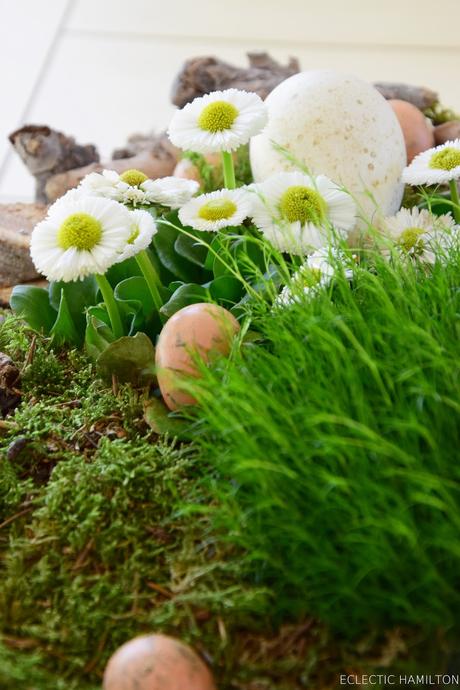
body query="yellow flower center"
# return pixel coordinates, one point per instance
(310, 277)
(217, 209)
(446, 159)
(303, 204)
(410, 239)
(80, 231)
(134, 235)
(217, 116)
(133, 177)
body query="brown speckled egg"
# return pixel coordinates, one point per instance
(418, 132)
(156, 662)
(203, 329)
(186, 169)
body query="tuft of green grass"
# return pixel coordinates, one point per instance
(337, 448)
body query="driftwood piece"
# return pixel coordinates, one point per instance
(157, 160)
(16, 224)
(45, 152)
(204, 74)
(5, 292)
(448, 131)
(419, 96)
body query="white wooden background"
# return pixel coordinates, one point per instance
(102, 69)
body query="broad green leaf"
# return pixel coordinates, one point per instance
(159, 418)
(98, 334)
(79, 295)
(190, 293)
(214, 248)
(136, 302)
(130, 359)
(122, 271)
(249, 256)
(164, 244)
(33, 305)
(64, 329)
(190, 248)
(226, 289)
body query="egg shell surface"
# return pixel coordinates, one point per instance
(156, 662)
(418, 132)
(339, 126)
(202, 329)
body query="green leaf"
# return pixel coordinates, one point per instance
(222, 258)
(71, 300)
(190, 248)
(158, 417)
(98, 335)
(215, 247)
(164, 243)
(226, 289)
(122, 271)
(249, 256)
(136, 303)
(33, 305)
(64, 329)
(190, 293)
(130, 359)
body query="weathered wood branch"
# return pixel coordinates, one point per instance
(45, 152)
(204, 74)
(419, 96)
(158, 159)
(16, 224)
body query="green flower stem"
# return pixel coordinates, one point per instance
(151, 277)
(455, 199)
(229, 169)
(112, 308)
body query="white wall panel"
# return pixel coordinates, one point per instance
(403, 22)
(105, 69)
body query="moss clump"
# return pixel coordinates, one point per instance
(438, 114)
(97, 543)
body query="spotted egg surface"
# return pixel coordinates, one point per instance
(340, 126)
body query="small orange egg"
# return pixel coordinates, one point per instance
(156, 662)
(418, 132)
(187, 170)
(204, 329)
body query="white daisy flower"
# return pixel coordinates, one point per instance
(100, 184)
(143, 228)
(216, 210)
(317, 272)
(296, 212)
(219, 121)
(128, 188)
(420, 234)
(80, 237)
(170, 191)
(438, 165)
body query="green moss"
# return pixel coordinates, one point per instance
(439, 114)
(100, 541)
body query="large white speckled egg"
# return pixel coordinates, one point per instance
(340, 126)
